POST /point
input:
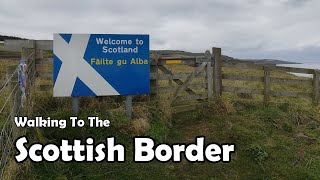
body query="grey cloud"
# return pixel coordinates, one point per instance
(297, 3)
(244, 28)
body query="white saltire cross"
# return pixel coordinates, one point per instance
(74, 65)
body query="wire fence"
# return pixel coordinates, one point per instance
(13, 96)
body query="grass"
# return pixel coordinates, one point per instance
(8, 53)
(279, 141)
(267, 144)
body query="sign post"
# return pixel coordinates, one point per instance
(75, 105)
(129, 106)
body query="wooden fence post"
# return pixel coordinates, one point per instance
(267, 86)
(37, 58)
(209, 76)
(154, 70)
(24, 53)
(170, 81)
(316, 86)
(217, 71)
(38, 55)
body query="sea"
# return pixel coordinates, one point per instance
(309, 65)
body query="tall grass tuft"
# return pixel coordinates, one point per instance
(219, 105)
(161, 112)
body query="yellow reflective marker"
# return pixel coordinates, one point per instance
(173, 62)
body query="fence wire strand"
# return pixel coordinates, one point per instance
(7, 128)
(4, 85)
(8, 98)
(6, 140)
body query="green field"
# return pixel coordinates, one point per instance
(1, 47)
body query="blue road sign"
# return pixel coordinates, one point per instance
(100, 65)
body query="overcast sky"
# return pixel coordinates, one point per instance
(282, 29)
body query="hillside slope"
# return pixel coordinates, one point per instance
(3, 37)
(275, 142)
